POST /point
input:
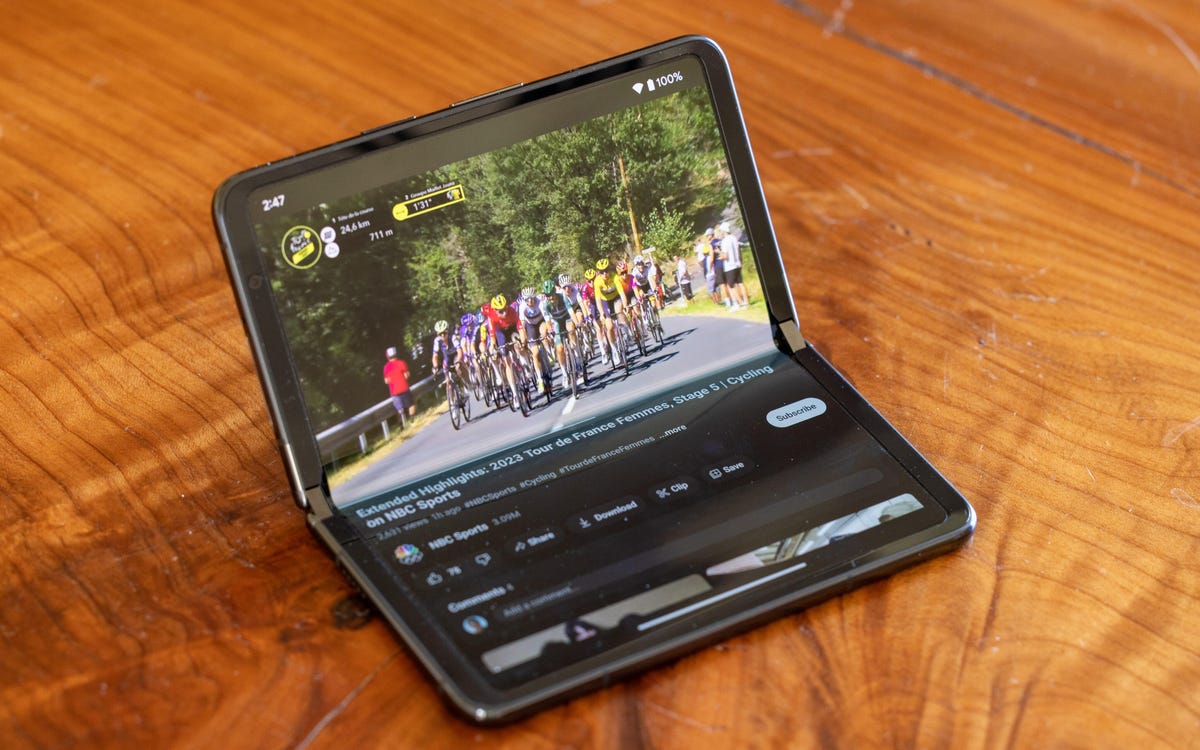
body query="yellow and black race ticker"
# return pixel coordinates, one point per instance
(446, 195)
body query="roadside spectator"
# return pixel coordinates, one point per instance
(717, 285)
(684, 279)
(732, 253)
(706, 264)
(703, 250)
(395, 374)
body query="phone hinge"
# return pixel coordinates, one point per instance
(791, 334)
(289, 462)
(311, 499)
(317, 502)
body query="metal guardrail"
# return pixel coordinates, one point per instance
(331, 439)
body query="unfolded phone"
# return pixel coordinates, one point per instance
(539, 386)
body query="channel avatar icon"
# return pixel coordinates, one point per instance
(408, 554)
(301, 247)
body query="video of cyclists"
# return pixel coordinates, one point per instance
(518, 292)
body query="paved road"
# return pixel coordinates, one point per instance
(694, 345)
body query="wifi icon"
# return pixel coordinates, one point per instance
(637, 87)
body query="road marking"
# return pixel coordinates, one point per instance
(562, 418)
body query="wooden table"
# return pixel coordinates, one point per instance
(989, 210)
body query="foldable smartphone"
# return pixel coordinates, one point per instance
(539, 386)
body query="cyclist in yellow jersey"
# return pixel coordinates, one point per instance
(611, 299)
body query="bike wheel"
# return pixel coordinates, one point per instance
(656, 326)
(452, 400)
(547, 370)
(577, 360)
(520, 398)
(488, 386)
(512, 398)
(465, 404)
(477, 384)
(623, 336)
(523, 399)
(573, 364)
(593, 343)
(639, 334)
(617, 347)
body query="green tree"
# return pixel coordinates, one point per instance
(668, 233)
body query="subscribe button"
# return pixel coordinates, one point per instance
(796, 412)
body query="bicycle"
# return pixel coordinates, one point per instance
(638, 328)
(582, 351)
(547, 362)
(585, 336)
(624, 341)
(475, 378)
(495, 390)
(523, 376)
(498, 389)
(576, 369)
(456, 398)
(653, 321)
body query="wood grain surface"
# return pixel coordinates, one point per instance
(989, 215)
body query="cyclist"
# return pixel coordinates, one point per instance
(502, 328)
(559, 312)
(447, 354)
(626, 273)
(532, 321)
(572, 294)
(467, 337)
(590, 313)
(643, 284)
(466, 328)
(483, 333)
(654, 271)
(611, 299)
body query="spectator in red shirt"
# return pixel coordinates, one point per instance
(395, 374)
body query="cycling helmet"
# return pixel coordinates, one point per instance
(441, 326)
(527, 292)
(564, 279)
(547, 287)
(391, 352)
(622, 266)
(467, 319)
(602, 265)
(589, 274)
(638, 260)
(499, 302)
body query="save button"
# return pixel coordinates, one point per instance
(796, 412)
